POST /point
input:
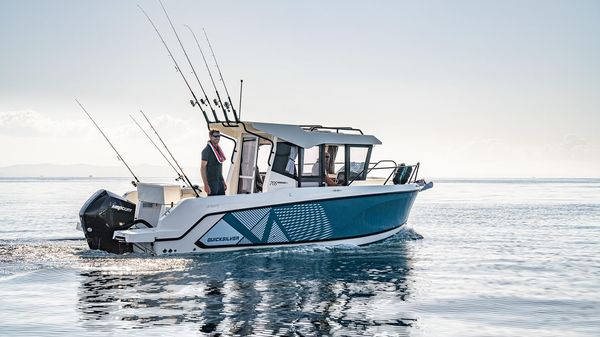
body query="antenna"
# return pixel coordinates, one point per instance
(172, 157)
(111, 145)
(195, 101)
(156, 146)
(189, 61)
(221, 75)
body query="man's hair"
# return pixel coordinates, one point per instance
(212, 132)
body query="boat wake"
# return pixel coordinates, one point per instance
(406, 234)
(18, 256)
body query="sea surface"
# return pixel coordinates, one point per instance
(477, 258)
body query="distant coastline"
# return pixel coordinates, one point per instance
(85, 171)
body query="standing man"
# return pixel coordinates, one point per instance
(211, 169)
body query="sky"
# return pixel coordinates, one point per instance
(467, 88)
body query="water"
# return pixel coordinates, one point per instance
(478, 258)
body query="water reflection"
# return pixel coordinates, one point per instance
(309, 292)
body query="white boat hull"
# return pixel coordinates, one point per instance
(356, 215)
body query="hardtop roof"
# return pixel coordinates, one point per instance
(305, 137)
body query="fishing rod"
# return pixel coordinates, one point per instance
(189, 61)
(134, 183)
(221, 75)
(209, 73)
(240, 108)
(195, 101)
(179, 177)
(172, 157)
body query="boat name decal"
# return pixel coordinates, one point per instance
(121, 208)
(275, 183)
(223, 238)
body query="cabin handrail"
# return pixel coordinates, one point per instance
(336, 128)
(374, 167)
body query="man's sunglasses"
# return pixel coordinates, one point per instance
(216, 136)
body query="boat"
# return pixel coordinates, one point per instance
(282, 190)
(274, 197)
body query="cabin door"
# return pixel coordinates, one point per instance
(248, 164)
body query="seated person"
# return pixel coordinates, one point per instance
(315, 170)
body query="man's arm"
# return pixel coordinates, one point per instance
(203, 175)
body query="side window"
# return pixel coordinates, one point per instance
(286, 160)
(263, 157)
(311, 166)
(358, 159)
(247, 164)
(337, 155)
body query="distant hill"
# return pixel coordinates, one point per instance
(83, 170)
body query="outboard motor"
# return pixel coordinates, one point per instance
(101, 215)
(402, 174)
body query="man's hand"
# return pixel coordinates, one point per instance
(207, 189)
(225, 186)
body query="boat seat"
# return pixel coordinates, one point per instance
(402, 174)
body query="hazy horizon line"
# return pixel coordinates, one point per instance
(428, 179)
(160, 171)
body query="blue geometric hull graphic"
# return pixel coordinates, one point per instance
(315, 221)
